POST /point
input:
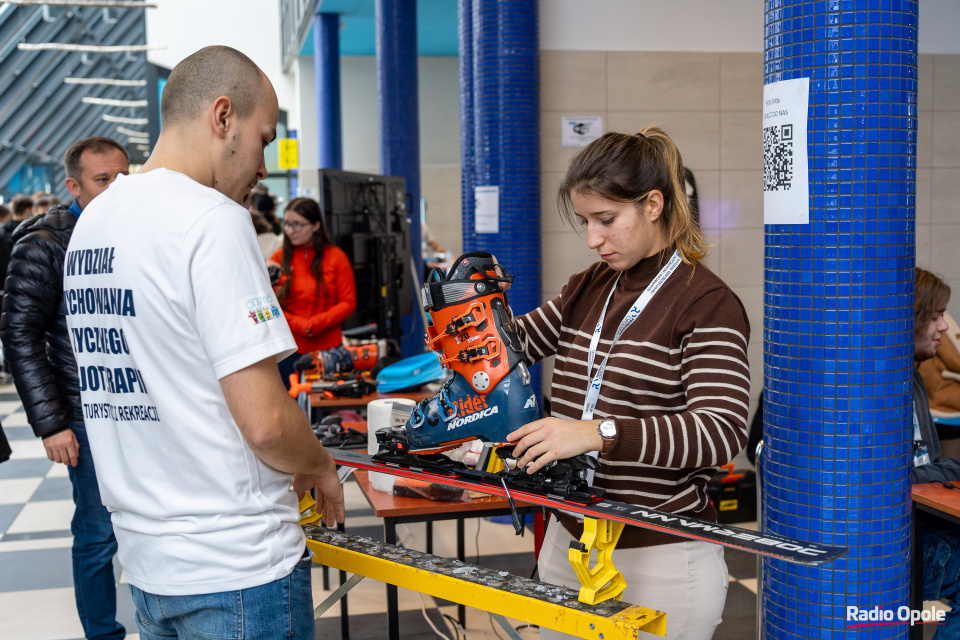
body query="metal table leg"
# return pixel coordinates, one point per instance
(916, 570)
(461, 556)
(393, 605)
(344, 612)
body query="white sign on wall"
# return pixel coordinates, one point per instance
(786, 192)
(579, 131)
(486, 218)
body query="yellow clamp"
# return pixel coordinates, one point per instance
(604, 581)
(308, 513)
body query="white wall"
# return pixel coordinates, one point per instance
(697, 25)
(251, 26)
(651, 25)
(308, 144)
(439, 95)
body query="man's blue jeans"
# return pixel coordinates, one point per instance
(279, 609)
(941, 576)
(94, 546)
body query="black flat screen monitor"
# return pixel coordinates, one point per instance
(366, 216)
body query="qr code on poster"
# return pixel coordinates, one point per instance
(778, 157)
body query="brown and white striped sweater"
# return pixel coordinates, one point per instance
(677, 382)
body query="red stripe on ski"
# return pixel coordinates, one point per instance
(765, 544)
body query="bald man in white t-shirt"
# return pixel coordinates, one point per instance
(198, 448)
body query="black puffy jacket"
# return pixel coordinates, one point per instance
(33, 326)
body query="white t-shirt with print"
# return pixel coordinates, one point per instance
(165, 293)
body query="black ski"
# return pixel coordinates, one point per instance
(766, 544)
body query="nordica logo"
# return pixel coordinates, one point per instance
(531, 402)
(471, 409)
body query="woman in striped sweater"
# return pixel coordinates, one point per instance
(663, 398)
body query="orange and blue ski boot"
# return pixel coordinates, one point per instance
(489, 394)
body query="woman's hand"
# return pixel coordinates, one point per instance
(550, 439)
(496, 267)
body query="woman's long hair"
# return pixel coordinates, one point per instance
(626, 168)
(310, 210)
(931, 293)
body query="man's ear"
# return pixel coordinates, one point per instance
(72, 186)
(222, 115)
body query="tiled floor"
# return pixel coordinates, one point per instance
(36, 583)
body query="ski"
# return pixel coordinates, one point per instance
(456, 475)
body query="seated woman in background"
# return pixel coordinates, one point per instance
(316, 288)
(270, 242)
(266, 206)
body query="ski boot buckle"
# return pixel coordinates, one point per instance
(488, 350)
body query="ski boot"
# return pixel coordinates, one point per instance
(489, 394)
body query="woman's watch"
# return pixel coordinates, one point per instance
(608, 431)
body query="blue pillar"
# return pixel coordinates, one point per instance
(397, 91)
(326, 65)
(838, 318)
(502, 94)
(467, 180)
(506, 139)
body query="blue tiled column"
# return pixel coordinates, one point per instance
(505, 149)
(838, 318)
(326, 65)
(500, 136)
(397, 87)
(467, 154)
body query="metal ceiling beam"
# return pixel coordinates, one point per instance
(42, 115)
(27, 101)
(109, 4)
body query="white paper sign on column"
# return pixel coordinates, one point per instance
(579, 131)
(486, 218)
(786, 192)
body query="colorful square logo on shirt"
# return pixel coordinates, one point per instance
(259, 309)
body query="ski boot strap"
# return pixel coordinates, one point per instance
(459, 285)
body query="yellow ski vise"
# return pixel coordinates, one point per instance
(604, 581)
(308, 512)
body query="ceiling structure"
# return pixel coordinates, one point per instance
(40, 113)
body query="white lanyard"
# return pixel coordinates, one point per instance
(593, 389)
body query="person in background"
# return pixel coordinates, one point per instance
(930, 303)
(266, 206)
(269, 241)
(664, 400)
(941, 541)
(6, 244)
(38, 348)
(5, 450)
(315, 288)
(43, 204)
(21, 207)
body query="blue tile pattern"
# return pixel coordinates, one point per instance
(500, 136)
(838, 317)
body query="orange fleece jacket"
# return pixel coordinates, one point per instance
(315, 318)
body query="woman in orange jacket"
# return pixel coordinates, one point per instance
(316, 287)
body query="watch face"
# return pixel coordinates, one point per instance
(608, 428)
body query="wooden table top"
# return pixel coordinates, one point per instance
(319, 400)
(387, 505)
(938, 497)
